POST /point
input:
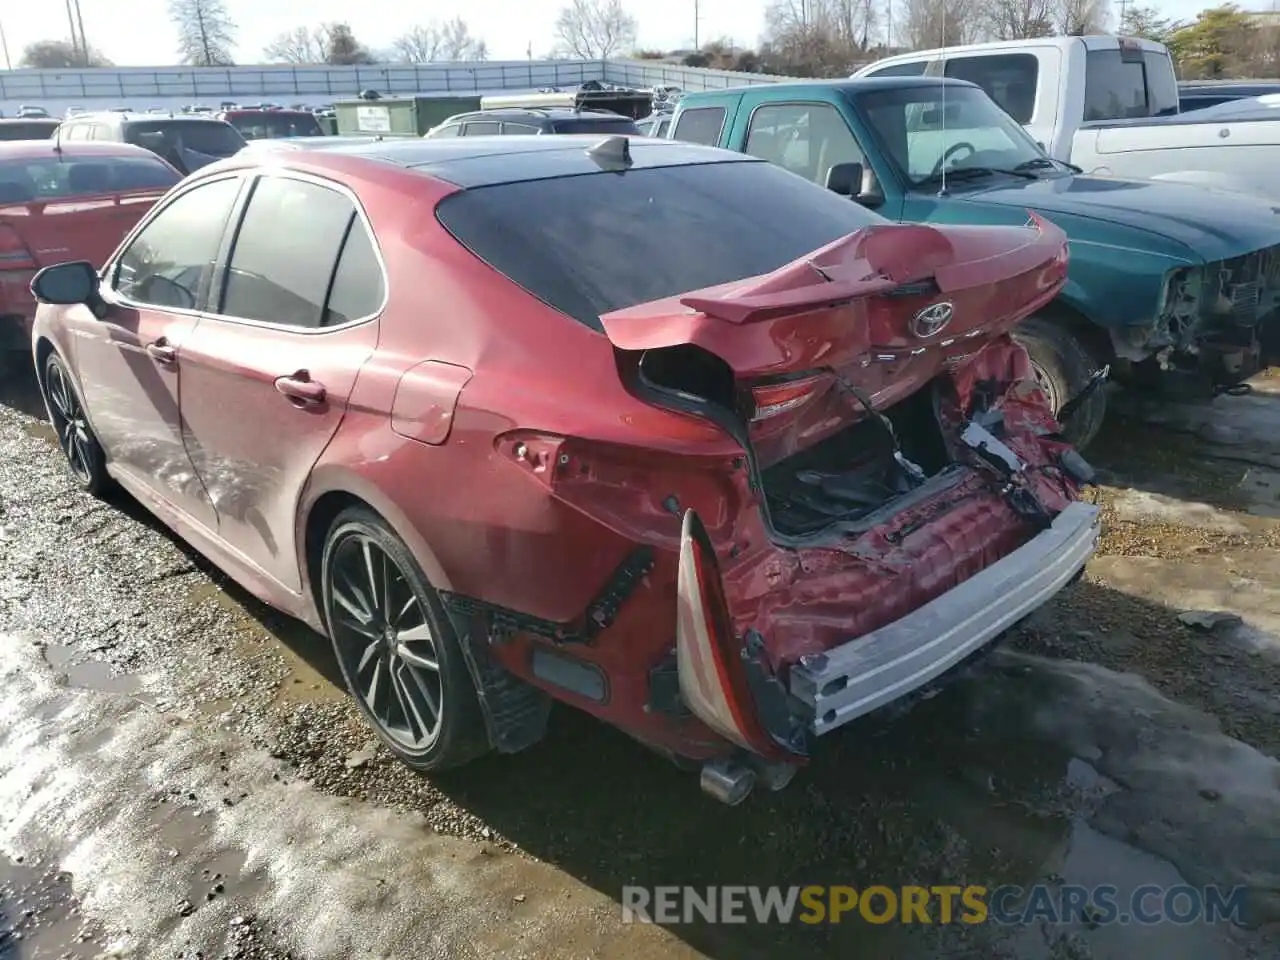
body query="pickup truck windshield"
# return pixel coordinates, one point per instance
(921, 136)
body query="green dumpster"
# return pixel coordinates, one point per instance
(399, 116)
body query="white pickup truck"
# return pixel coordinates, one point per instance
(1109, 105)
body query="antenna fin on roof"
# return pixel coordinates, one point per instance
(612, 153)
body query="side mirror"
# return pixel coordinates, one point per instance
(845, 179)
(66, 283)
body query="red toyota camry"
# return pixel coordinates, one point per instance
(665, 433)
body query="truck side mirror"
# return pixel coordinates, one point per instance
(856, 182)
(845, 179)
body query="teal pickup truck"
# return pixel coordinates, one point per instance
(1168, 282)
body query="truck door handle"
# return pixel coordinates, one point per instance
(301, 390)
(162, 353)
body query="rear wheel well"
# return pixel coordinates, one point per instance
(319, 521)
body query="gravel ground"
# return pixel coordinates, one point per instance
(1108, 736)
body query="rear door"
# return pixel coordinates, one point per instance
(268, 372)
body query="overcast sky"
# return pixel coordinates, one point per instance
(138, 32)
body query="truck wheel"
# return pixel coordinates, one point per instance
(1063, 365)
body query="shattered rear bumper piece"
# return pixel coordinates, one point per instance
(857, 677)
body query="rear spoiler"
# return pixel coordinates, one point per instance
(871, 261)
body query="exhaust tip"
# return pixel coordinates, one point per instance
(726, 781)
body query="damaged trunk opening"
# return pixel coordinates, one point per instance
(841, 485)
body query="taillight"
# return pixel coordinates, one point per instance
(709, 656)
(14, 254)
(781, 396)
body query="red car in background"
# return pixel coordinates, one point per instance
(66, 201)
(663, 432)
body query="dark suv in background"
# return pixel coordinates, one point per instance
(531, 121)
(187, 142)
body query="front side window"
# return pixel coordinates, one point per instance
(805, 138)
(169, 262)
(922, 131)
(1008, 78)
(700, 125)
(285, 252)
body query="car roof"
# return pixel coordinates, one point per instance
(537, 113)
(486, 161)
(116, 117)
(860, 85)
(34, 149)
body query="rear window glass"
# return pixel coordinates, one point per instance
(700, 125)
(272, 124)
(601, 125)
(1117, 87)
(595, 243)
(75, 177)
(27, 131)
(211, 137)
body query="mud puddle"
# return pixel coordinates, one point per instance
(40, 916)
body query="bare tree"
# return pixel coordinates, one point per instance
(299, 45)
(594, 29)
(1021, 19)
(342, 47)
(430, 42)
(1077, 18)
(818, 37)
(938, 23)
(59, 55)
(206, 34)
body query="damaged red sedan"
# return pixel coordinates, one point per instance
(662, 432)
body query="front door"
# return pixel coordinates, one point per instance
(130, 362)
(268, 372)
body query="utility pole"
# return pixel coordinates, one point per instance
(1120, 24)
(84, 41)
(696, 24)
(8, 64)
(71, 22)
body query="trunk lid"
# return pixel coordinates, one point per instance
(881, 311)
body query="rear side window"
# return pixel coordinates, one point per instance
(1009, 79)
(482, 128)
(271, 124)
(293, 237)
(700, 125)
(449, 130)
(519, 130)
(913, 69)
(1122, 85)
(84, 176)
(595, 243)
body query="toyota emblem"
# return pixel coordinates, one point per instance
(932, 320)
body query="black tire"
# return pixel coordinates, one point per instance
(1063, 365)
(85, 457)
(368, 574)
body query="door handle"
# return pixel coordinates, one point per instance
(162, 353)
(301, 390)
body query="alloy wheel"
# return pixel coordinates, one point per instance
(69, 423)
(1047, 384)
(382, 633)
